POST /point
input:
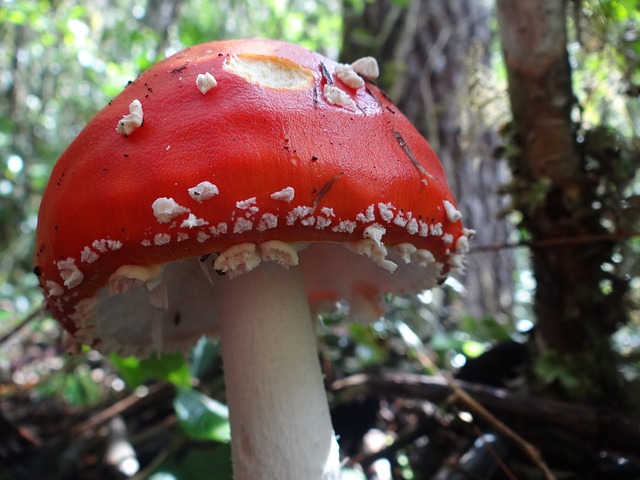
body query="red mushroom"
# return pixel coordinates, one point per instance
(290, 174)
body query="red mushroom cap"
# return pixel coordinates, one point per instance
(239, 143)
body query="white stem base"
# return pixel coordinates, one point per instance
(280, 423)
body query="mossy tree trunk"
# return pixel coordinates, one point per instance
(577, 303)
(434, 56)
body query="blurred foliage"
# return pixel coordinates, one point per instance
(201, 417)
(62, 60)
(75, 386)
(171, 368)
(605, 56)
(191, 464)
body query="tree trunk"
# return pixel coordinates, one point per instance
(434, 58)
(556, 197)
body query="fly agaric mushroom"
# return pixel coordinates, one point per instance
(291, 175)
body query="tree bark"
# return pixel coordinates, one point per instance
(552, 190)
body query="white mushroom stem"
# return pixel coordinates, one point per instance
(280, 422)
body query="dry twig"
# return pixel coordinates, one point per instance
(29, 318)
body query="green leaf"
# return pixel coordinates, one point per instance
(203, 356)
(442, 341)
(201, 417)
(368, 349)
(553, 367)
(76, 388)
(192, 464)
(472, 348)
(171, 368)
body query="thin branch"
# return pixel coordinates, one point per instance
(422, 353)
(528, 449)
(496, 456)
(103, 416)
(557, 242)
(174, 446)
(404, 439)
(584, 422)
(32, 316)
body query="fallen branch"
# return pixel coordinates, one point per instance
(602, 429)
(422, 353)
(469, 402)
